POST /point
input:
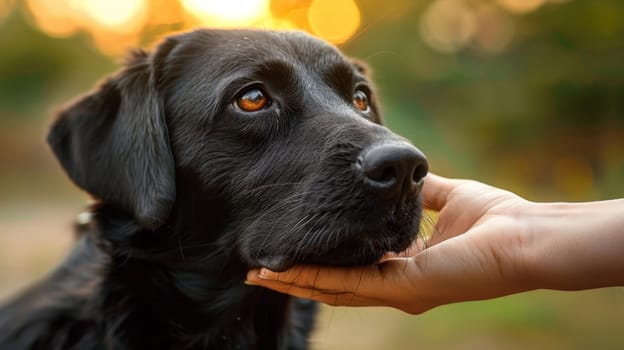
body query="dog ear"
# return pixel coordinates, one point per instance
(114, 144)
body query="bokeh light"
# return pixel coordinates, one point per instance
(521, 6)
(448, 25)
(231, 13)
(55, 18)
(5, 8)
(334, 20)
(126, 16)
(164, 12)
(116, 25)
(495, 29)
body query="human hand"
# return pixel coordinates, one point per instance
(470, 256)
(487, 243)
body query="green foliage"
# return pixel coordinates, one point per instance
(34, 67)
(557, 91)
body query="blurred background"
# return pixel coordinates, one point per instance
(523, 94)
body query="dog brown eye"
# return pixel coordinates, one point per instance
(360, 101)
(252, 100)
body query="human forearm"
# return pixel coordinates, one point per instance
(576, 245)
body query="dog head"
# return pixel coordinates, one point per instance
(271, 141)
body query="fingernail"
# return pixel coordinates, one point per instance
(267, 274)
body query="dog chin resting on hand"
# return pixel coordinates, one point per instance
(217, 152)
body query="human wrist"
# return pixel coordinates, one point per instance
(574, 245)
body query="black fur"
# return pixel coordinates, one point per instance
(192, 192)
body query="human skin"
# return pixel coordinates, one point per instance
(487, 243)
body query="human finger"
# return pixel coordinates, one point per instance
(436, 190)
(417, 246)
(330, 297)
(385, 284)
(321, 278)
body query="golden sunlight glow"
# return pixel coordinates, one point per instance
(334, 20)
(521, 6)
(5, 8)
(114, 44)
(118, 15)
(53, 17)
(230, 13)
(164, 12)
(447, 26)
(116, 25)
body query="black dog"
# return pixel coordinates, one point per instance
(218, 152)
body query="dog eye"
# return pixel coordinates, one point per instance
(360, 101)
(251, 100)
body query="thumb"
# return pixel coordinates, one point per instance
(436, 191)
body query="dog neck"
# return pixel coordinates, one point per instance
(180, 290)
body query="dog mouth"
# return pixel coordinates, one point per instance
(346, 248)
(350, 253)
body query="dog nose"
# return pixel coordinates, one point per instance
(393, 169)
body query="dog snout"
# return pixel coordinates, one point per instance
(393, 169)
